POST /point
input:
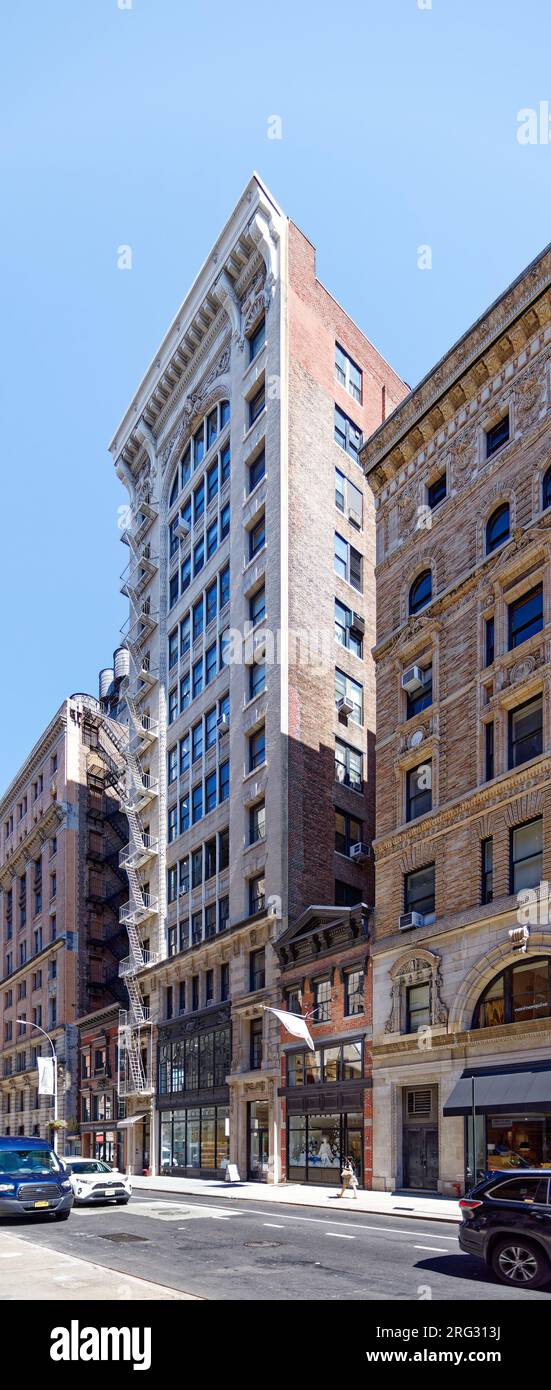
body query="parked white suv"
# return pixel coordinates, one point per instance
(94, 1181)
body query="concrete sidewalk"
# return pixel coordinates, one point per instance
(32, 1271)
(431, 1208)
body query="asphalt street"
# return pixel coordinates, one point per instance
(234, 1250)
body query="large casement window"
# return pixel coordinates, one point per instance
(418, 1007)
(338, 1062)
(497, 528)
(526, 731)
(525, 616)
(520, 993)
(419, 790)
(420, 593)
(419, 891)
(526, 855)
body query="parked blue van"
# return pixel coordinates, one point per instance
(33, 1179)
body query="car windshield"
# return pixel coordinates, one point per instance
(93, 1165)
(22, 1160)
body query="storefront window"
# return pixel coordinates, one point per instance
(518, 1141)
(208, 1136)
(222, 1139)
(296, 1149)
(179, 1140)
(192, 1072)
(193, 1138)
(259, 1140)
(318, 1144)
(166, 1144)
(342, 1062)
(324, 1145)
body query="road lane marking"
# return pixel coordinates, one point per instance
(337, 1235)
(274, 1226)
(312, 1220)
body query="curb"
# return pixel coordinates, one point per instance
(236, 1194)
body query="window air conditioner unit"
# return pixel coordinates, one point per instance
(182, 892)
(344, 707)
(407, 920)
(412, 679)
(222, 725)
(360, 852)
(355, 517)
(182, 529)
(357, 626)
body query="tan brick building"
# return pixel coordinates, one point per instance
(61, 832)
(460, 475)
(248, 511)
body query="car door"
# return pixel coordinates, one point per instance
(518, 1204)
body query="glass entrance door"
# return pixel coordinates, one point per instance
(259, 1141)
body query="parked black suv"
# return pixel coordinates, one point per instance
(507, 1223)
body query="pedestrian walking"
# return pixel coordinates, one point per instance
(349, 1179)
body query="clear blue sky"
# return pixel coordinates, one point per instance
(142, 126)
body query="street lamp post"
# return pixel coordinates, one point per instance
(26, 1024)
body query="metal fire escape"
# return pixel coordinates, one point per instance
(138, 791)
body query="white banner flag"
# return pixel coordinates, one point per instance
(46, 1076)
(295, 1024)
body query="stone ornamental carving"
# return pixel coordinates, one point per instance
(194, 404)
(144, 484)
(407, 506)
(416, 970)
(523, 669)
(464, 455)
(528, 400)
(256, 301)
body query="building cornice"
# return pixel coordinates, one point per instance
(483, 350)
(199, 320)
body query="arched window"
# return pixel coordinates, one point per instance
(421, 591)
(497, 527)
(546, 490)
(521, 992)
(204, 437)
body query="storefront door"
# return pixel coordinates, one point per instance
(421, 1157)
(259, 1141)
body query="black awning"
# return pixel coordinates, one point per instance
(502, 1092)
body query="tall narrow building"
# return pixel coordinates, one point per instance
(462, 944)
(250, 693)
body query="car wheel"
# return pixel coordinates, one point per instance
(61, 1215)
(516, 1261)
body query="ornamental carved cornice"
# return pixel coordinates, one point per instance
(496, 336)
(194, 405)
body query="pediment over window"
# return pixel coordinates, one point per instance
(319, 931)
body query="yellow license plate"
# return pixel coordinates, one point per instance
(42, 1204)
